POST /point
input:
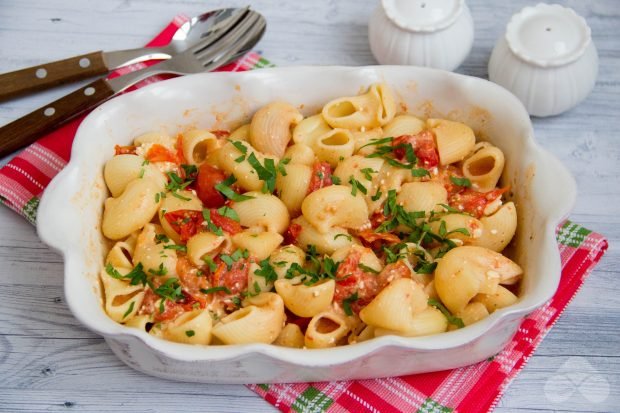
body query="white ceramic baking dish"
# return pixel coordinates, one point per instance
(70, 216)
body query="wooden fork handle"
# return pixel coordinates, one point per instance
(29, 128)
(45, 76)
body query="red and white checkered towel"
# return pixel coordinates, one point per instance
(475, 388)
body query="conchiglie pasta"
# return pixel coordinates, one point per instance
(197, 144)
(422, 196)
(484, 168)
(259, 321)
(300, 154)
(152, 254)
(270, 130)
(310, 129)
(120, 255)
(192, 327)
(472, 313)
(334, 146)
(205, 244)
(325, 243)
(290, 336)
(498, 229)
(263, 211)
(393, 308)
(359, 168)
(154, 137)
(134, 208)
(259, 244)
(122, 300)
(461, 227)
(366, 256)
(502, 297)
(282, 259)
(325, 330)
(334, 206)
(455, 140)
(467, 271)
(242, 133)
(306, 300)
(122, 169)
(363, 138)
(403, 125)
(293, 188)
(426, 322)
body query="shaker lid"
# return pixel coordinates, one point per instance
(548, 35)
(423, 15)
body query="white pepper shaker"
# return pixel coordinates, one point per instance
(546, 58)
(432, 33)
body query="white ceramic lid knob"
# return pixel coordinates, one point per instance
(548, 35)
(422, 15)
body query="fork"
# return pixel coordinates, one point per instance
(241, 37)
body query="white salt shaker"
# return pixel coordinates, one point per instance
(546, 58)
(432, 33)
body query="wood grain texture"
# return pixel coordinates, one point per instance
(47, 75)
(48, 362)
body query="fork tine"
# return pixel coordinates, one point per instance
(231, 38)
(220, 30)
(247, 40)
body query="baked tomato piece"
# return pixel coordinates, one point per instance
(185, 222)
(423, 145)
(208, 177)
(474, 202)
(321, 176)
(159, 153)
(352, 280)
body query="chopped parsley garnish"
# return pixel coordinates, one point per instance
(424, 267)
(368, 173)
(464, 182)
(236, 301)
(420, 172)
(335, 180)
(225, 189)
(376, 196)
(181, 248)
(129, 310)
(267, 172)
(159, 196)
(266, 271)
(322, 269)
(176, 182)
(367, 268)
(141, 174)
(209, 261)
(229, 260)
(206, 214)
(357, 185)
(135, 276)
(159, 238)
(161, 270)
(214, 290)
(190, 333)
(346, 303)
(281, 164)
(170, 290)
(228, 212)
(451, 318)
(241, 148)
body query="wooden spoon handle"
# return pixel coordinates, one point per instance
(29, 128)
(47, 75)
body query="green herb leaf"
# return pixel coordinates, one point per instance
(179, 196)
(464, 182)
(423, 267)
(366, 268)
(266, 271)
(190, 171)
(170, 290)
(209, 261)
(190, 333)
(129, 310)
(228, 212)
(357, 185)
(159, 238)
(368, 173)
(267, 173)
(335, 180)
(376, 196)
(206, 214)
(451, 318)
(241, 148)
(346, 303)
(181, 248)
(141, 174)
(420, 172)
(376, 142)
(160, 271)
(281, 164)
(225, 189)
(214, 290)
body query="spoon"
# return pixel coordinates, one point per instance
(212, 24)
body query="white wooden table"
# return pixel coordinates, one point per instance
(49, 362)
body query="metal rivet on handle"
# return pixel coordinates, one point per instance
(49, 111)
(89, 91)
(84, 62)
(41, 73)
